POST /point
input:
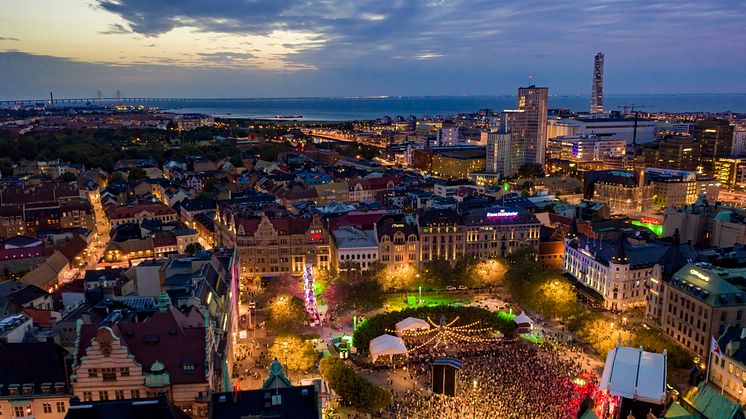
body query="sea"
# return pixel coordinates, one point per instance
(367, 108)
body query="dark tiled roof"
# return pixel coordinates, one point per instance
(155, 408)
(391, 224)
(732, 336)
(639, 255)
(32, 363)
(296, 403)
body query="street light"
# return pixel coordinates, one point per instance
(474, 398)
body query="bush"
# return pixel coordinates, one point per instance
(377, 325)
(351, 387)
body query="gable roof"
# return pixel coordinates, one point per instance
(172, 339)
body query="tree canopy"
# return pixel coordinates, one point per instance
(353, 389)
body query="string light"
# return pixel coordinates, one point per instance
(444, 333)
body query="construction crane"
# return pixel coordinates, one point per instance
(633, 109)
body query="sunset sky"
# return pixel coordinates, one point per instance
(281, 48)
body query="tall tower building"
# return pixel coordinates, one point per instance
(597, 93)
(529, 125)
(715, 137)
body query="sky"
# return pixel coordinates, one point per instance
(302, 48)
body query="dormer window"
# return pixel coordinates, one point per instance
(28, 389)
(188, 365)
(46, 387)
(59, 387)
(13, 389)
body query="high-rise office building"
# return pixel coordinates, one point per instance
(499, 153)
(528, 125)
(597, 94)
(715, 137)
(679, 152)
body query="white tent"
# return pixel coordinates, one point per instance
(522, 319)
(411, 323)
(635, 374)
(386, 345)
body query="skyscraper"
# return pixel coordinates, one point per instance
(499, 153)
(715, 137)
(529, 125)
(597, 93)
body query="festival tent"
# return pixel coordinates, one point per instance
(411, 323)
(386, 345)
(635, 374)
(523, 319)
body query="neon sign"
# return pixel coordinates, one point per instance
(699, 275)
(502, 213)
(648, 220)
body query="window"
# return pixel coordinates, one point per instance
(47, 407)
(87, 396)
(109, 374)
(92, 372)
(135, 394)
(19, 411)
(103, 395)
(119, 394)
(125, 372)
(61, 407)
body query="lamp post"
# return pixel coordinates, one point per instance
(474, 398)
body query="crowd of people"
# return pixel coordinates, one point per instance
(499, 379)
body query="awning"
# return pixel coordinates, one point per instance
(635, 374)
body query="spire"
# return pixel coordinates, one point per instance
(621, 250)
(676, 238)
(163, 302)
(573, 229)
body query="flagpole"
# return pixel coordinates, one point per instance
(709, 367)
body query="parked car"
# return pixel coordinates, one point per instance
(463, 287)
(450, 288)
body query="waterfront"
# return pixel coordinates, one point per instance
(342, 109)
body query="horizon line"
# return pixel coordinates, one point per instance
(355, 97)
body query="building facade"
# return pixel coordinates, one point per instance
(698, 302)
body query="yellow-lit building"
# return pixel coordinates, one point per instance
(731, 172)
(457, 164)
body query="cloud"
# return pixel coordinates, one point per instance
(476, 29)
(370, 47)
(8, 38)
(116, 29)
(428, 56)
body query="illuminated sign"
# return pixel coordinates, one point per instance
(699, 275)
(502, 213)
(649, 220)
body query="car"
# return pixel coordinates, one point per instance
(252, 304)
(450, 288)
(463, 287)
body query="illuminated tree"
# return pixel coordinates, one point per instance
(399, 277)
(603, 335)
(294, 353)
(287, 314)
(488, 272)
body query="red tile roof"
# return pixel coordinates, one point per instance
(130, 211)
(179, 339)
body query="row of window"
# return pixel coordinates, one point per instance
(104, 395)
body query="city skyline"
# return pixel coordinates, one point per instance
(268, 49)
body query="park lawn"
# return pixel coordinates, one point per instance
(398, 301)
